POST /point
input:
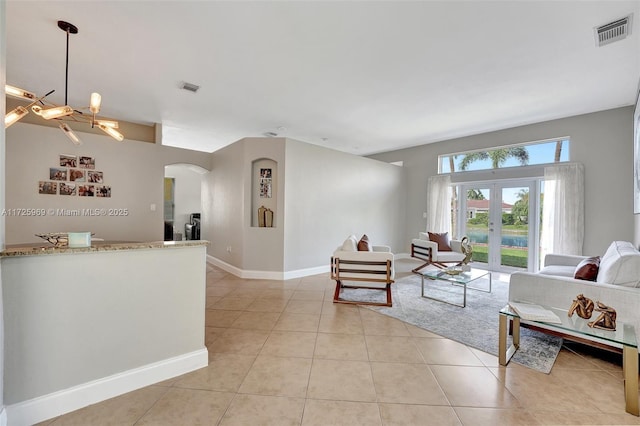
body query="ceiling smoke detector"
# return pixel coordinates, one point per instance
(613, 31)
(190, 87)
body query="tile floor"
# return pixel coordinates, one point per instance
(281, 353)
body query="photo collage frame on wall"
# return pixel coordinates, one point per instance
(75, 176)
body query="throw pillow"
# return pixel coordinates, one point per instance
(350, 244)
(588, 269)
(364, 244)
(442, 239)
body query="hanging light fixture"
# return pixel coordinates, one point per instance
(49, 111)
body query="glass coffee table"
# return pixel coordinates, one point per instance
(461, 279)
(576, 328)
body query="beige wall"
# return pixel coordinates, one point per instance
(134, 170)
(601, 141)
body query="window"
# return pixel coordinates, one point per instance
(528, 154)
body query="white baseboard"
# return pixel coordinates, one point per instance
(57, 403)
(266, 275)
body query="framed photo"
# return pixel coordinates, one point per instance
(45, 187)
(76, 175)
(67, 188)
(68, 160)
(86, 190)
(57, 174)
(87, 162)
(265, 188)
(636, 156)
(94, 177)
(265, 173)
(103, 191)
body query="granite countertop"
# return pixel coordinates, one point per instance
(38, 249)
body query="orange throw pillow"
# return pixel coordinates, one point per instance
(442, 239)
(364, 244)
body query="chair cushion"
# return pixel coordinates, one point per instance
(588, 269)
(449, 256)
(442, 239)
(559, 270)
(364, 244)
(620, 265)
(350, 244)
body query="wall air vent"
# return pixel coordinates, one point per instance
(270, 134)
(190, 87)
(613, 31)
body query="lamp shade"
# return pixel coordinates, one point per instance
(70, 134)
(94, 103)
(111, 132)
(51, 113)
(15, 115)
(17, 92)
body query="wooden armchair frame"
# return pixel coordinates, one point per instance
(362, 271)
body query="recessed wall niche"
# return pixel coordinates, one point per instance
(264, 192)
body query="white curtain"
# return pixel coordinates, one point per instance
(439, 203)
(563, 210)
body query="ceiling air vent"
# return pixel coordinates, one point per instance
(270, 134)
(613, 31)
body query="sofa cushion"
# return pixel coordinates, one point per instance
(442, 239)
(620, 265)
(559, 270)
(588, 269)
(364, 244)
(350, 244)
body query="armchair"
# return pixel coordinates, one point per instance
(425, 249)
(367, 269)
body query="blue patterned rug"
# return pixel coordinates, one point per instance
(476, 325)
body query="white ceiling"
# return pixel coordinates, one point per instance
(367, 76)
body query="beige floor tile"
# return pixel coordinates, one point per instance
(413, 415)
(232, 303)
(393, 349)
(277, 376)
(406, 384)
(290, 344)
(572, 418)
(317, 285)
(342, 323)
(243, 342)
(256, 320)
(473, 387)
(307, 294)
(419, 332)
(243, 291)
(571, 360)
(486, 359)
(542, 392)
(340, 413)
(212, 333)
(599, 357)
(225, 372)
(124, 409)
(267, 305)
(187, 407)
(304, 307)
(214, 291)
(276, 293)
(495, 417)
(376, 324)
(284, 285)
(341, 380)
(297, 322)
(446, 352)
(212, 300)
(219, 318)
(341, 347)
(330, 308)
(598, 387)
(264, 411)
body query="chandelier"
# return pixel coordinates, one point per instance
(49, 111)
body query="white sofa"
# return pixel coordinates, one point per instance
(371, 269)
(617, 284)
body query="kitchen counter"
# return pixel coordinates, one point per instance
(44, 248)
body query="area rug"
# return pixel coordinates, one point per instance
(476, 325)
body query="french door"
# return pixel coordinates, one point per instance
(501, 219)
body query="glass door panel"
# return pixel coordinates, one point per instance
(514, 228)
(477, 202)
